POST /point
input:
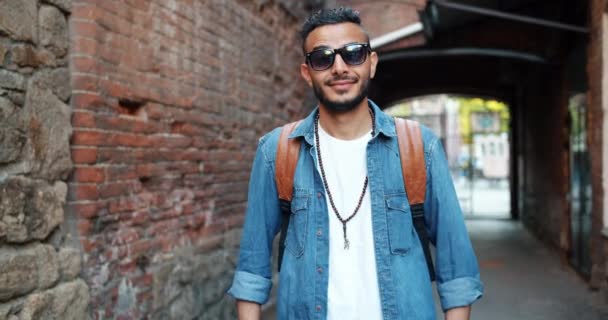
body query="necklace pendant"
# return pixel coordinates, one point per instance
(346, 242)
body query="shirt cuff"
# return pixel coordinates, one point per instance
(250, 287)
(459, 292)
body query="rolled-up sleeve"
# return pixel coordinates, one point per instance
(456, 267)
(250, 287)
(252, 279)
(459, 292)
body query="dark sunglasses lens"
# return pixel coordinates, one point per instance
(321, 59)
(354, 54)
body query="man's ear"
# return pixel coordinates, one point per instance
(305, 72)
(373, 58)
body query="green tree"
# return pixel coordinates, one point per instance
(468, 106)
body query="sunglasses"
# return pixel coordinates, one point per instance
(353, 54)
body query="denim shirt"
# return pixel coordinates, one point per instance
(403, 279)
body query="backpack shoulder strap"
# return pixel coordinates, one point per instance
(287, 155)
(411, 152)
(413, 168)
(288, 151)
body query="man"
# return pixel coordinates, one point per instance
(351, 251)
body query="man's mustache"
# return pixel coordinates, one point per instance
(341, 78)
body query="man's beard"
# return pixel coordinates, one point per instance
(341, 106)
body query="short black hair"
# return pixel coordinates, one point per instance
(330, 16)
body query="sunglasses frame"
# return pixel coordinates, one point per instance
(339, 51)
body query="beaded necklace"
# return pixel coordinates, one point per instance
(331, 200)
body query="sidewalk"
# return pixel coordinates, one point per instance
(524, 280)
(483, 198)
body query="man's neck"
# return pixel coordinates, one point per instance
(347, 125)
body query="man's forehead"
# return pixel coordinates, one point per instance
(335, 35)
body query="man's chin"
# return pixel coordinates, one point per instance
(337, 102)
(343, 98)
(342, 105)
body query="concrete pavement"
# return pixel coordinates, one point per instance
(525, 280)
(482, 198)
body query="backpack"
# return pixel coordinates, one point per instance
(412, 167)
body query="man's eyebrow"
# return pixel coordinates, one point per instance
(321, 47)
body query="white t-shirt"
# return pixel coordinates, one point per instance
(352, 291)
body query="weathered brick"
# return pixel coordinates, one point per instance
(92, 101)
(84, 227)
(85, 82)
(110, 190)
(84, 210)
(113, 155)
(79, 192)
(89, 138)
(84, 155)
(85, 64)
(88, 174)
(126, 235)
(163, 102)
(83, 120)
(122, 172)
(84, 46)
(129, 140)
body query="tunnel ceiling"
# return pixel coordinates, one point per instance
(472, 53)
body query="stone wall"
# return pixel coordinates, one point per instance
(169, 99)
(39, 264)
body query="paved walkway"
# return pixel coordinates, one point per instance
(484, 198)
(525, 280)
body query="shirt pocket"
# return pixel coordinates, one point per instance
(400, 225)
(298, 222)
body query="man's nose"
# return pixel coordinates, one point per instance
(339, 66)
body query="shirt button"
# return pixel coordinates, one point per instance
(318, 194)
(318, 308)
(319, 232)
(320, 270)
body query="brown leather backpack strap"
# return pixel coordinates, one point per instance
(413, 167)
(286, 160)
(288, 151)
(411, 152)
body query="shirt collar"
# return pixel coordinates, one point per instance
(384, 124)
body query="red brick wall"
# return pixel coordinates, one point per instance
(599, 274)
(545, 141)
(381, 17)
(169, 99)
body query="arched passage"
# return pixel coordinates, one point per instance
(536, 64)
(475, 134)
(409, 73)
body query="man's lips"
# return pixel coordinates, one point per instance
(342, 84)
